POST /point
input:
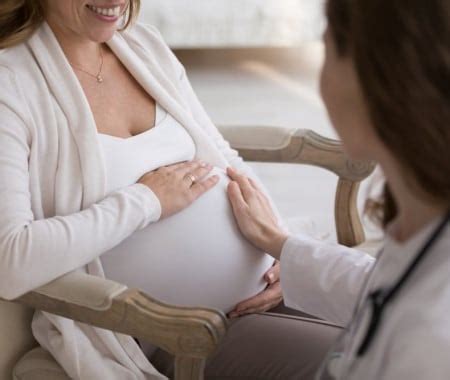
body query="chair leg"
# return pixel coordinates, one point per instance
(187, 368)
(348, 225)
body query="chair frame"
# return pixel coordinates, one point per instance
(191, 335)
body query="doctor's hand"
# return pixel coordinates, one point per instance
(265, 300)
(254, 214)
(179, 185)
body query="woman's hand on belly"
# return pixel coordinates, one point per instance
(179, 185)
(265, 300)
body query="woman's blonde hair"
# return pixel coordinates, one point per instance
(19, 19)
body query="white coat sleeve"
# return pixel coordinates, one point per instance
(34, 252)
(323, 279)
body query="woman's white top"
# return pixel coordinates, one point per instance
(413, 339)
(196, 257)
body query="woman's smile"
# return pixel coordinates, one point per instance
(106, 13)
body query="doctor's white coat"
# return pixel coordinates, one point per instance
(413, 339)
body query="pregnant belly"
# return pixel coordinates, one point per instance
(196, 257)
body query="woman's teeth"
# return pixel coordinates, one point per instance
(110, 12)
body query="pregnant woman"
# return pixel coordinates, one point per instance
(109, 164)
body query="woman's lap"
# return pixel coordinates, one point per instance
(264, 347)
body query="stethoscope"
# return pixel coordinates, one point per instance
(380, 298)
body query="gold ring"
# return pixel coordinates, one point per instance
(191, 177)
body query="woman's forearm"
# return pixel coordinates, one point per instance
(35, 252)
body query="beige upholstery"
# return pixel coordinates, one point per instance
(38, 364)
(88, 291)
(271, 138)
(15, 333)
(15, 319)
(190, 334)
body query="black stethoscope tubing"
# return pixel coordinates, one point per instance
(379, 298)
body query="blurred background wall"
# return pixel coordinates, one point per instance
(235, 23)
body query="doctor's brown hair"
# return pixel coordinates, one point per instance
(19, 19)
(401, 51)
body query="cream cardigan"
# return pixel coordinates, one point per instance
(55, 217)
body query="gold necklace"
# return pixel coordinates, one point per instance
(99, 76)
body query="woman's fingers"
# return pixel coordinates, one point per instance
(200, 171)
(195, 172)
(199, 188)
(181, 165)
(189, 166)
(192, 171)
(177, 186)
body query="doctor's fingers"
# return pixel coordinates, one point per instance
(235, 195)
(241, 210)
(251, 191)
(247, 189)
(271, 294)
(262, 308)
(273, 274)
(259, 192)
(263, 301)
(259, 195)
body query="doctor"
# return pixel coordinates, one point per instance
(385, 84)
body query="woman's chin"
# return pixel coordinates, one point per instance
(103, 35)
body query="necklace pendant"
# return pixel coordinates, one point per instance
(99, 79)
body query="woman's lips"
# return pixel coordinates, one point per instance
(106, 13)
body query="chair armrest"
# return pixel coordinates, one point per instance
(302, 146)
(295, 145)
(181, 331)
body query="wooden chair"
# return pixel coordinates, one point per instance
(190, 334)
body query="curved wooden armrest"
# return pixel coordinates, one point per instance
(302, 146)
(187, 333)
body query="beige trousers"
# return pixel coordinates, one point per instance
(278, 345)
